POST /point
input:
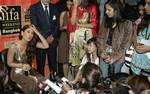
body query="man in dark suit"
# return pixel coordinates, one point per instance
(45, 17)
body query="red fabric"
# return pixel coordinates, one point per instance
(10, 2)
(54, 1)
(93, 12)
(34, 1)
(70, 27)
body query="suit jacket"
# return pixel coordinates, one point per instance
(121, 40)
(45, 26)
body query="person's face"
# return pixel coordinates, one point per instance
(45, 1)
(91, 48)
(141, 10)
(28, 34)
(147, 6)
(109, 11)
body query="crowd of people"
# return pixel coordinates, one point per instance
(82, 46)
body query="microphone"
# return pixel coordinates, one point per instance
(58, 79)
(66, 81)
(62, 80)
(56, 88)
(43, 88)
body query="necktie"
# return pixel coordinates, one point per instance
(46, 10)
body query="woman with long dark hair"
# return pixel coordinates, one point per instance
(63, 45)
(20, 56)
(113, 39)
(88, 80)
(141, 42)
(141, 11)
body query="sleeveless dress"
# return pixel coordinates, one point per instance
(141, 61)
(63, 46)
(28, 84)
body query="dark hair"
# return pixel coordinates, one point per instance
(91, 73)
(84, 3)
(117, 16)
(30, 50)
(64, 7)
(3, 74)
(139, 83)
(92, 40)
(141, 2)
(121, 89)
(144, 24)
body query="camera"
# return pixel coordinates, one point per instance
(47, 87)
(106, 82)
(52, 87)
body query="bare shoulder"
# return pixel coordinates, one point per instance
(13, 45)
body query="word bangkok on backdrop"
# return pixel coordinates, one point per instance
(10, 19)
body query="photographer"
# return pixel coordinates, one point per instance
(88, 80)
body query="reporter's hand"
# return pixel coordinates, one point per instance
(66, 87)
(73, 82)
